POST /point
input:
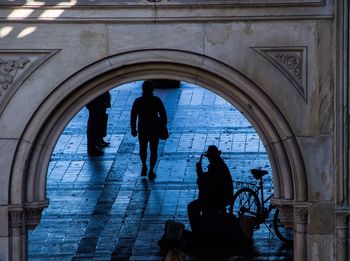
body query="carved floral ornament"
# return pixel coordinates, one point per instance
(301, 215)
(8, 71)
(291, 62)
(16, 217)
(342, 220)
(31, 216)
(16, 66)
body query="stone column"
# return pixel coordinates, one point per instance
(22, 218)
(17, 228)
(300, 242)
(342, 236)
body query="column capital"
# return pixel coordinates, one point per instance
(15, 215)
(33, 213)
(342, 220)
(301, 215)
(28, 214)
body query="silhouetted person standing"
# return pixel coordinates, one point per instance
(215, 191)
(150, 114)
(103, 120)
(97, 124)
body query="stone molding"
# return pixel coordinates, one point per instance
(169, 11)
(15, 68)
(202, 3)
(291, 62)
(341, 93)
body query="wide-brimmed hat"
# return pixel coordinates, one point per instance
(212, 151)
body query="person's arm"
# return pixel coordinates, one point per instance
(133, 116)
(228, 186)
(107, 99)
(162, 113)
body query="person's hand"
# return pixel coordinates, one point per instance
(134, 133)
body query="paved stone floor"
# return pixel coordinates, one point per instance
(101, 209)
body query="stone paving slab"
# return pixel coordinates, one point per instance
(101, 209)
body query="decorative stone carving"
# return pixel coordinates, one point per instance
(8, 71)
(15, 67)
(292, 62)
(16, 217)
(33, 216)
(30, 214)
(342, 220)
(33, 213)
(301, 215)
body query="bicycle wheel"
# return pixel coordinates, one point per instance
(246, 202)
(284, 233)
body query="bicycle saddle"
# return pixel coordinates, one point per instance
(258, 173)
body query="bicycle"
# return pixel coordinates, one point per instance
(247, 202)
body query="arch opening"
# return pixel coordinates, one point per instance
(238, 90)
(197, 118)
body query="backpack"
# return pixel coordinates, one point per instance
(172, 237)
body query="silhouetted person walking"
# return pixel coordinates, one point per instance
(97, 124)
(150, 114)
(215, 192)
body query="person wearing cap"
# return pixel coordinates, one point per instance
(149, 111)
(215, 191)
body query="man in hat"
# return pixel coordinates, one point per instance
(215, 191)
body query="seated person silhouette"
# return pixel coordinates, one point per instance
(215, 194)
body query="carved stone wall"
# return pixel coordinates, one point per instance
(278, 61)
(15, 67)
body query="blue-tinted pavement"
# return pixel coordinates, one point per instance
(102, 209)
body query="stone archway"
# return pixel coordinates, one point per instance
(28, 177)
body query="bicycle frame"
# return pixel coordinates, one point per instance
(259, 189)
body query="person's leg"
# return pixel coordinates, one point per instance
(194, 209)
(154, 141)
(92, 133)
(89, 132)
(102, 128)
(143, 141)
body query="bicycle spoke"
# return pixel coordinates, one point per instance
(246, 203)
